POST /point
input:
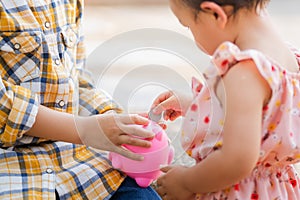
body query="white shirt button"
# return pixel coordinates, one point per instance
(47, 24)
(49, 171)
(17, 46)
(57, 61)
(61, 103)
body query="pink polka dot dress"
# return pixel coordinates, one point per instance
(274, 177)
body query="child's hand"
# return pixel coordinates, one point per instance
(172, 104)
(109, 131)
(170, 185)
(162, 124)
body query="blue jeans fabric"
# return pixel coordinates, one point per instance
(130, 190)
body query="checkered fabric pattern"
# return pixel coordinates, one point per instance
(42, 62)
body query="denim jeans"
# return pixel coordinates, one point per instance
(129, 190)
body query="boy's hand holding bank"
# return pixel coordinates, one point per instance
(146, 171)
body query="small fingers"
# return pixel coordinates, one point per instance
(165, 197)
(160, 189)
(129, 140)
(165, 169)
(174, 115)
(134, 119)
(171, 115)
(163, 125)
(128, 154)
(159, 109)
(162, 97)
(144, 114)
(137, 131)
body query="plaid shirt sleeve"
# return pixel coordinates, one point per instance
(18, 105)
(18, 111)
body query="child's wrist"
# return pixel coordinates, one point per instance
(81, 126)
(185, 179)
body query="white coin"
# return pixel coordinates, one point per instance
(154, 117)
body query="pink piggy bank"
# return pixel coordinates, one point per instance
(144, 172)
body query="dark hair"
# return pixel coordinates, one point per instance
(237, 4)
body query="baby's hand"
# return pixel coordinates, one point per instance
(159, 121)
(172, 104)
(171, 185)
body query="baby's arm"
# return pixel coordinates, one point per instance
(246, 93)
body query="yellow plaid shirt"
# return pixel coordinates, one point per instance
(41, 62)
